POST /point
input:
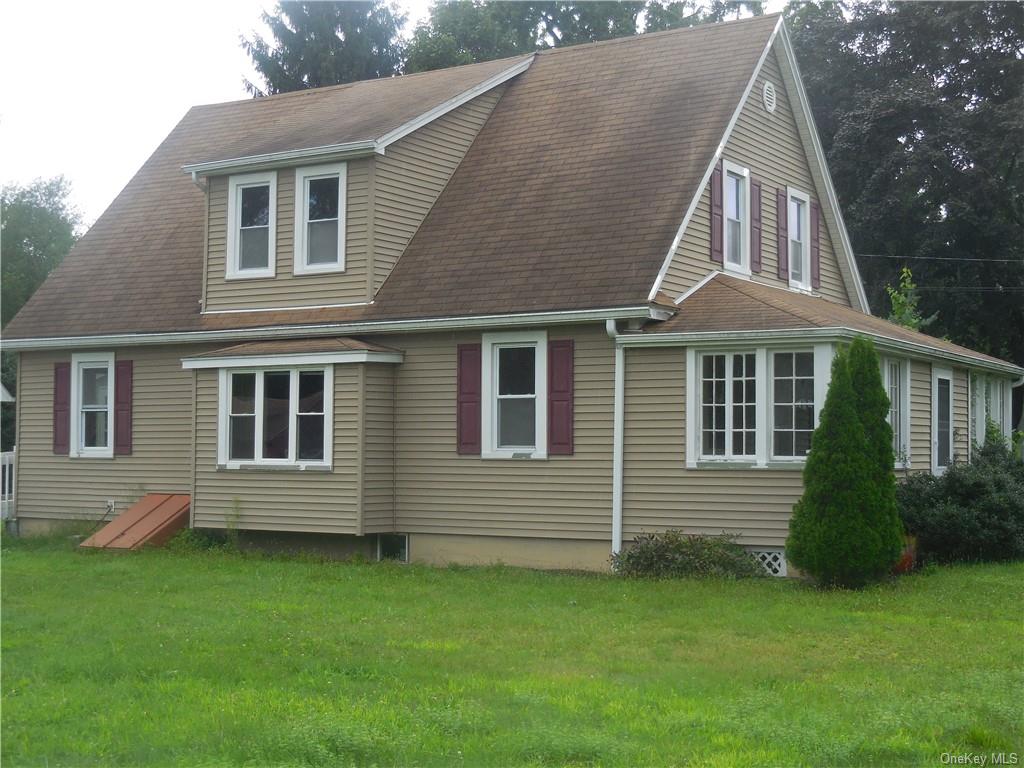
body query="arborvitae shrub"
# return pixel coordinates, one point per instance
(834, 535)
(872, 403)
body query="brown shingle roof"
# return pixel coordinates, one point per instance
(728, 303)
(569, 198)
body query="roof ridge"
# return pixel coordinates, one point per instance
(341, 86)
(642, 36)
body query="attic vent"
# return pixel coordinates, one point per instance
(769, 96)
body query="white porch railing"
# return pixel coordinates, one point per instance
(7, 484)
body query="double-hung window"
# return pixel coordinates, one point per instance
(514, 395)
(895, 378)
(320, 219)
(252, 225)
(92, 405)
(799, 239)
(728, 405)
(793, 403)
(942, 419)
(736, 237)
(276, 417)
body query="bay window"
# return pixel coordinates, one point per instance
(320, 219)
(728, 405)
(252, 225)
(514, 395)
(793, 407)
(275, 417)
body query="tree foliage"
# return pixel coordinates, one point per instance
(920, 107)
(325, 43)
(903, 302)
(37, 229)
(839, 532)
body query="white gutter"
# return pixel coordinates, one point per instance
(362, 148)
(335, 329)
(833, 333)
(291, 359)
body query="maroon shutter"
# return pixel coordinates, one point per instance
(782, 212)
(717, 222)
(815, 245)
(123, 408)
(62, 408)
(560, 397)
(468, 386)
(755, 226)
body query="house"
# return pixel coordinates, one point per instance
(520, 310)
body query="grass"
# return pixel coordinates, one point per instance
(203, 658)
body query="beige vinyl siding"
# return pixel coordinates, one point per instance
(439, 491)
(920, 415)
(61, 487)
(659, 492)
(282, 499)
(769, 145)
(379, 448)
(961, 420)
(412, 173)
(286, 289)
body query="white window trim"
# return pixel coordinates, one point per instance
(903, 458)
(805, 257)
(744, 266)
(224, 427)
(90, 360)
(823, 354)
(491, 342)
(941, 373)
(302, 177)
(235, 184)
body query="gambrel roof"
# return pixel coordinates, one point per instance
(569, 198)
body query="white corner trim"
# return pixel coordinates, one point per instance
(75, 448)
(353, 149)
(289, 360)
(692, 405)
(235, 185)
(803, 112)
(618, 440)
(698, 285)
(303, 175)
(455, 102)
(558, 317)
(698, 193)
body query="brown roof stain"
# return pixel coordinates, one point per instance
(297, 346)
(728, 303)
(568, 199)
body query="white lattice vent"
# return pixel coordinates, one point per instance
(773, 560)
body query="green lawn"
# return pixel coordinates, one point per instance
(207, 658)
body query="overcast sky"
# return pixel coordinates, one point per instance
(90, 89)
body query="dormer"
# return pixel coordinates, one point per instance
(293, 222)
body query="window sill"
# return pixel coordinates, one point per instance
(524, 455)
(801, 288)
(328, 269)
(90, 455)
(262, 274)
(774, 464)
(734, 270)
(249, 467)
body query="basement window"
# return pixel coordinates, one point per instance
(275, 417)
(393, 546)
(252, 225)
(320, 219)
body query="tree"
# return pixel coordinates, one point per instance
(325, 43)
(833, 535)
(37, 229)
(464, 32)
(920, 107)
(903, 301)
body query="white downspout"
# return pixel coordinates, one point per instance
(617, 440)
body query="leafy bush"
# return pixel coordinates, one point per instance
(973, 512)
(841, 532)
(673, 554)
